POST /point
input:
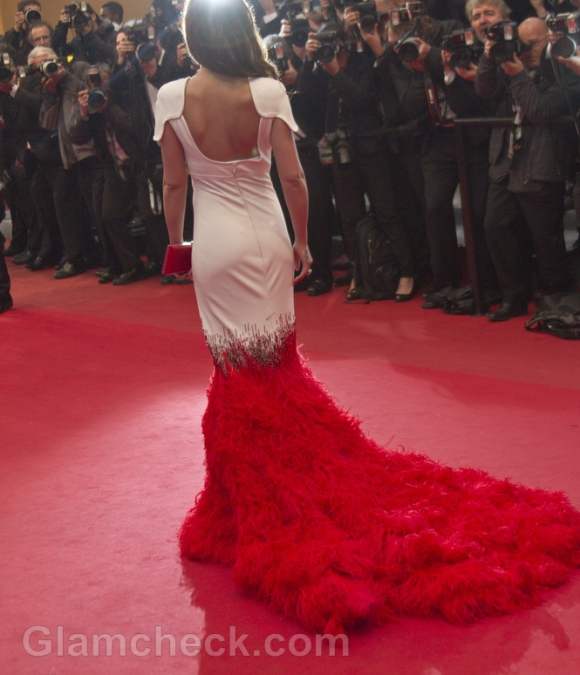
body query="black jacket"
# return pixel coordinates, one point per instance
(546, 149)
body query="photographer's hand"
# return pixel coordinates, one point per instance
(513, 68)
(19, 22)
(351, 18)
(181, 54)
(540, 8)
(572, 63)
(285, 29)
(290, 75)
(124, 48)
(469, 74)
(488, 45)
(374, 41)
(51, 83)
(312, 46)
(83, 99)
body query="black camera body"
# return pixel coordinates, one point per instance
(367, 10)
(7, 68)
(277, 54)
(139, 31)
(329, 40)
(568, 25)
(507, 45)
(464, 48)
(407, 14)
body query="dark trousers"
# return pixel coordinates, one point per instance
(45, 240)
(320, 213)
(4, 276)
(149, 204)
(409, 184)
(74, 202)
(370, 174)
(441, 175)
(21, 205)
(113, 202)
(542, 211)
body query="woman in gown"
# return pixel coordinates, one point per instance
(314, 517)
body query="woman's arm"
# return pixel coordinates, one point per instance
(174, 184)
(295, 192)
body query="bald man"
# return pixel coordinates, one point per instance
(529, 163)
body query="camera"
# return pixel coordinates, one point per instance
(49, 68)
(293, 11)
(6, 67)
(277, 54)
(464, 48)
(139, 31)
(32, 16)
(567, 25)
(408, 13)
(507, 44)
(368, 14)
(329, 41)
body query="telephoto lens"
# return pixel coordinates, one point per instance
(32, 16)
(49, 68)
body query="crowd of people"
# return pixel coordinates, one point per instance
(375, 87)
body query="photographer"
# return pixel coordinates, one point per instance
(73, 182)
(175, 61)
(44, 239)
(354, 131)
(109, 127)
(93, 40)
(419, 123)
(40, 35)
(529, 163)
(134, 86)
(27, 14)
(309, 114)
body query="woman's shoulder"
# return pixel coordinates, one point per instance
(169, 104)
(271, 100)
(173, 93)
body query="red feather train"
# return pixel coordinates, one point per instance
(333, 530)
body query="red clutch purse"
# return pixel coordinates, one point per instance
(177, 259)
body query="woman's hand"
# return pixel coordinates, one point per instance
(302, 261)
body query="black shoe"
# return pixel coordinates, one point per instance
(68, 270)
(151, 269)
(9, 252)
(6, 304)
(318, 287)
(22, 258)
(437, 299)
(127, 277)
(106, 277)
(39, 263)
(508, 310)
(302, 286)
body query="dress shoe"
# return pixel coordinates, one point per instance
(437, 299)
(318, 287)
(39, 263)
(6, 303)
(9, 252)
(302, 286)
(127, 277)
(508, 310)
(22, 258)
(68, 270)
(106, 277)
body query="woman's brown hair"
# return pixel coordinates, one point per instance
(221, 35)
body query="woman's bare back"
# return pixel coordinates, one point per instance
(221, 116)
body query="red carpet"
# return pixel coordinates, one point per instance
(103, 391)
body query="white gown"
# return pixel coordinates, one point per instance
(242, 258)
(314, 517)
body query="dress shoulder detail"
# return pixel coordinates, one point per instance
(170, 102)
(271, 100)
